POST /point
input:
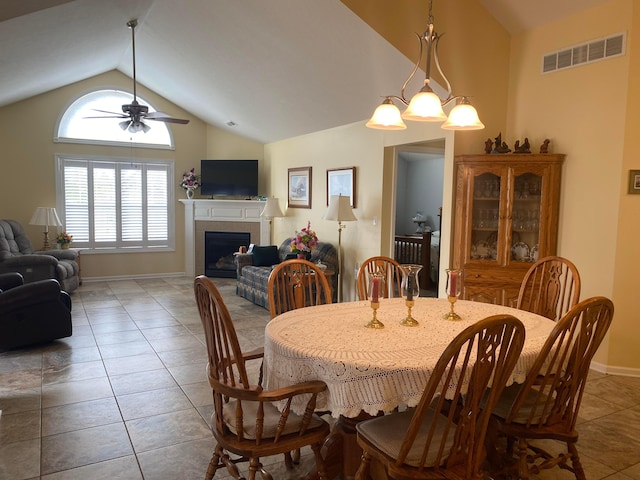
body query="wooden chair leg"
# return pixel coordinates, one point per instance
(320, 466)
(363, 470)
(575, 461)
(523, 465)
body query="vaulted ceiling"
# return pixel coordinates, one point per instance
(275, 68)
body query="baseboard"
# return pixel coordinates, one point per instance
(612, 370)
(132, 277)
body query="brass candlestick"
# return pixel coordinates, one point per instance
(409, 321)
(409, 290)
(452, 315)
(453, 289)
(375, 323)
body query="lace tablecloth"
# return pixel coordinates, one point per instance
(377, 370)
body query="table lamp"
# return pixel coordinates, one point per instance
(45, 216)
(271, 210)
(340, 210)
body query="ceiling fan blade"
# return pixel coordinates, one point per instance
(119, 114)
(112, 116)
(163, 117)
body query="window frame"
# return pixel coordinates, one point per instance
(119, 245)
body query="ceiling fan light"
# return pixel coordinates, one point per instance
(463, 117)
(124, 125)
(386, 117)
(425, 107)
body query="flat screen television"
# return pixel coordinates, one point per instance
(229, 178)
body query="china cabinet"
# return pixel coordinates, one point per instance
(506, 217)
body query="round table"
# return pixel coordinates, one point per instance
(368, 370)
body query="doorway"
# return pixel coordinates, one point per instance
(419, 194)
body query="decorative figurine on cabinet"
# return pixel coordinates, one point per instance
(544, 148)
(524, 148)
(501, 147)
(488, 146)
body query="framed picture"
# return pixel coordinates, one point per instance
(300, 187)
(342, 181)
(634, 181)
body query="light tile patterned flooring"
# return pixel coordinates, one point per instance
(126, 398)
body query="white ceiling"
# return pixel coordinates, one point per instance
(277, 68)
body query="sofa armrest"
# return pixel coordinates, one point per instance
(29, 260)
(59, 254)
(10, 280)
(32, 293)
(242, 260)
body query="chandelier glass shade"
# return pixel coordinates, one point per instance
(426, 105)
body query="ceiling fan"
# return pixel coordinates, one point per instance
(134, 113)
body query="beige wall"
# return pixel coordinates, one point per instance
(26, 134)
(583, 110)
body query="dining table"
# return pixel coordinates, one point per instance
(370, 371)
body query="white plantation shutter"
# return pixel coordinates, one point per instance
(112, 203)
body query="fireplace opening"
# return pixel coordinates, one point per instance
(219, 248)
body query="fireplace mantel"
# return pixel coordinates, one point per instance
(238, 211)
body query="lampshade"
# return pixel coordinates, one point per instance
(463, 117)
(45, 216)
(425, 107)
(386, 117)
(340, 209)
(271, 208)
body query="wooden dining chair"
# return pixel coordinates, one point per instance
(386, 266)
(443, 437)
(245, 421)
(297, 283)
(546, 405)
(550, 288)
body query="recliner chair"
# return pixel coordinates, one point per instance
(33, 313)
(17, 255)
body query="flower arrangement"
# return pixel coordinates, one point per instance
(64, 238)
(304, 241)
(190, 179)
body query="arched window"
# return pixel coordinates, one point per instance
(78, 123)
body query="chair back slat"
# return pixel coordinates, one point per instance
(389, 268)
(553, 389)
(483, 355)
(550, 287)
(297, 283)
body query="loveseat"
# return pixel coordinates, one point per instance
(253, 269)
(17, 255)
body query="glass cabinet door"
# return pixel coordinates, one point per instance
(525, 217)
(485, 216)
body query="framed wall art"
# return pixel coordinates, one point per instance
(300, 187)
(634, 181)
(342, 181)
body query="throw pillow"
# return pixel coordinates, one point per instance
(265, 256)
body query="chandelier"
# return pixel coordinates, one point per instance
(426, 106)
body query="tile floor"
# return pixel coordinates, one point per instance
(126, 398)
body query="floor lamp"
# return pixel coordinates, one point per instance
(45, 216)
(270, 211)
(340, 210)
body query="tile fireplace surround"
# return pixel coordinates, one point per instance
(222, 216)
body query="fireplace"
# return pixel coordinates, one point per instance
(219, 248)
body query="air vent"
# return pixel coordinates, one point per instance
(592, 51)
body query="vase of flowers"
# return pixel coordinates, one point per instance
(64, 240)
(304, 242)
(190, 181)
